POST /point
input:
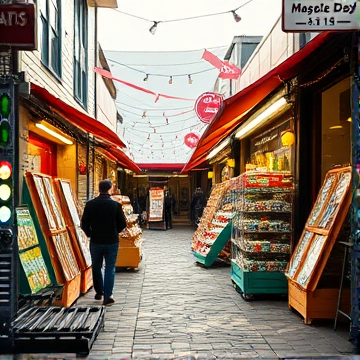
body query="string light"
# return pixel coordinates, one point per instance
(190, 80)
(146, 77)
(154, 25)
(237, 18)
(170, 80)
(144, 115)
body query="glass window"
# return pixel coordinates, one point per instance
(50, 34)
(80, 51)
(336, 126)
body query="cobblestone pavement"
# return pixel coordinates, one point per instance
(172, 308)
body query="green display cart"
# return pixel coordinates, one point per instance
(218, 245)
(260, 282)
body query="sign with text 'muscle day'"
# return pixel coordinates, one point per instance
(320, 15)
(17, 26)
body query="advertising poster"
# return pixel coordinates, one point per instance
(156, 204)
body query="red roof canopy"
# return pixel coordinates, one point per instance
(76, 117)
(234, 109)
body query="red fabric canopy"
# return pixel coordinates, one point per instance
(76, 117)
(119, 156)
(234, 109)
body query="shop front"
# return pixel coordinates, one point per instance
(306, 140)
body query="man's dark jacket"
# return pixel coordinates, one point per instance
(103, 219)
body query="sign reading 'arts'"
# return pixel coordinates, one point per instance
(17, 26)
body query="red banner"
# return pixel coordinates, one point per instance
(108, 75)
(227, 70)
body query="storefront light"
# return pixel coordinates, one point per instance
(222, 146)
(261, 118)
(54, 133)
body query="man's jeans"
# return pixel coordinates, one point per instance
(99, 253)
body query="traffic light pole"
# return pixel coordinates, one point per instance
(9, 174)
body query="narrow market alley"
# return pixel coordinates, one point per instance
(172, 308)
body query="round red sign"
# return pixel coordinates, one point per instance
(207, 105)
(191, 140)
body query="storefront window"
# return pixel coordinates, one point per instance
(336, 126)
(271, 151)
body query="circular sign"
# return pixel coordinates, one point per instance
(207, 105)
(191, 140)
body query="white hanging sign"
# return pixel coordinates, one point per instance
(320, 15)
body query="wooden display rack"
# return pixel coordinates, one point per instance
(129, 254)
(79, 240)
(312, 294)
(53, 236)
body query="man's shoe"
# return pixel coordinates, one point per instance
(108, 301)
(98, 296)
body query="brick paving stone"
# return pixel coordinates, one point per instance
(172, 308)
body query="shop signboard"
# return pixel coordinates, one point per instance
(18, 26)
(320, 15)
(207, 105)
(156, 204)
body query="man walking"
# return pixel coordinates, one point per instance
(103, 219)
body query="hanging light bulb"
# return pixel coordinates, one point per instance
(167, 121)
(146, 77)
(154, 27)
(144, 115)
(190, 80)
(237, 18)
(170, 80)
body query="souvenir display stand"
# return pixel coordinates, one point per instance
(156, 219)
(79, 240)
(262, 232)
(214, 229)
(33, 273)
(314, 292)
(53, 236)
(129, 255)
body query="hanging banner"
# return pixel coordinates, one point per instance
(156, 204)
(207, 105)
(108, 75)
(227, 70)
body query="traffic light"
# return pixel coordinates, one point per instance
(7, 157)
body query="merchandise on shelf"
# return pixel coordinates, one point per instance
(130, 238)
(213, 232)
(262, 232)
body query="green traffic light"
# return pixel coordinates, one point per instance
(4, 132)
(4, 106)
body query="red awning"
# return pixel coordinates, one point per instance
(119, 156)
(76, 117)
(234, 109)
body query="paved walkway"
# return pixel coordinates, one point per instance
(172, 308)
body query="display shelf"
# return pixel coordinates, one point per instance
(79, 240)
(309, 293)
(262, 232)
(53, 236)
(130, 239)
(214, 230)
(34, 275)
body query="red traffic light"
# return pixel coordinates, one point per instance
(5, 170)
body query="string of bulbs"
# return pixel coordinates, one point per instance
(155, 23)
